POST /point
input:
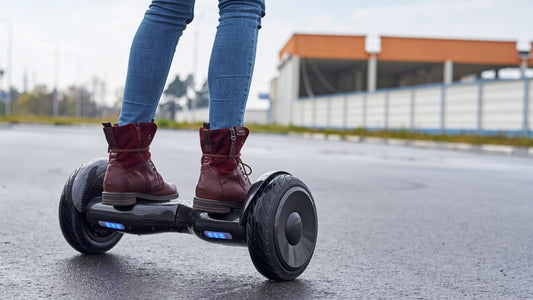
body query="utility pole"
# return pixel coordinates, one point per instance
(77, 101)
(55, 103)
(524, 57)
(9, 70)
(1, 93)
(195, 66)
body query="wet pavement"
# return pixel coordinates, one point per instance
(394, 222)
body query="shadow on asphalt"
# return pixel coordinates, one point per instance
(113, 276)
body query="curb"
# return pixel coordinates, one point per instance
(492, 149)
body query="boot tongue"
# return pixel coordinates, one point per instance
(130, 137)
(242, 135)
(147, 133)
(222, 147)
(205, 140)
(227, 141)
(126, 136)
(216, 141)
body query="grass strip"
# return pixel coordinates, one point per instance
(515, 141)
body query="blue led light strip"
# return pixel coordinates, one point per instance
(111, 225)
(217, 235)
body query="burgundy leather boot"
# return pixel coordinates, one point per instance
(130, 173)
(223, 182)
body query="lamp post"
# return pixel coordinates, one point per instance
(195, 67)
(1, 92)
(9, 70)
(524, 56)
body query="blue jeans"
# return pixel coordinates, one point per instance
(230, 67)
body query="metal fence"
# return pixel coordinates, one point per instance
(482, 107)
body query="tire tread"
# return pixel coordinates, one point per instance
(260, 235)
(72, 222)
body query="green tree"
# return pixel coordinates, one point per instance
(38, 102)
(175, 91)
(74, 101)
(178, 88)
(201, 97)
(180, 94)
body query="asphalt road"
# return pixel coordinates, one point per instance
(394, 222)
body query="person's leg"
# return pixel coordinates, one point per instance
(150, 58)
(130, 173)
(232, 61)
(223, 183)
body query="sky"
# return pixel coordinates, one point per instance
(67, 42)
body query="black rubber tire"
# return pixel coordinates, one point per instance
(77, 231)
(273, 253)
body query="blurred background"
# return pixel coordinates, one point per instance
(398, 218)
(430, 66)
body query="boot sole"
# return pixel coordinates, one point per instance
(127, 199)
(214, 206)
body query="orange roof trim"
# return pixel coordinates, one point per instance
(326, 46)
(440, 50)
(404, 49)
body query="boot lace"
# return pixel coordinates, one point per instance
(157, 175)
(245, 169)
